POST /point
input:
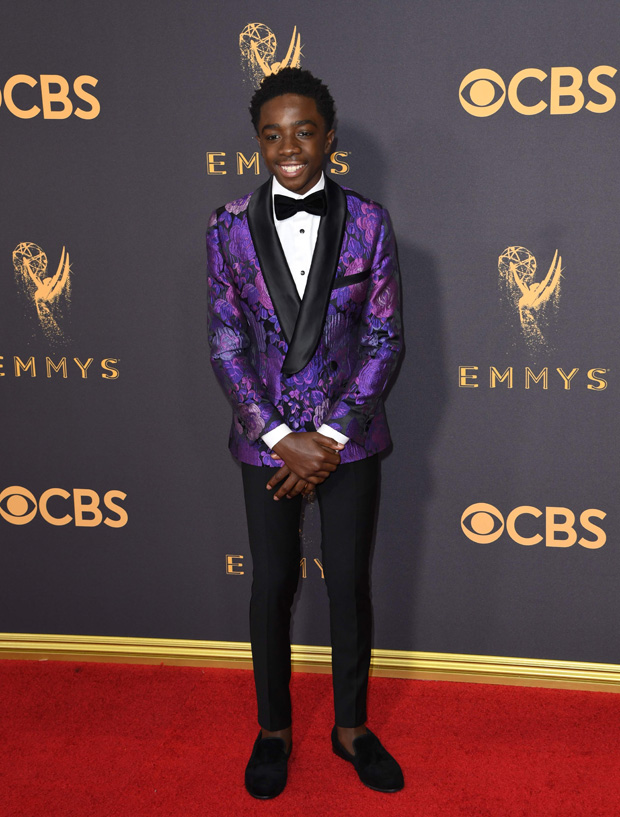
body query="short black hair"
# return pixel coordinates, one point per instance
(294, 81)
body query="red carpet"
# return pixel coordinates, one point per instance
(113, 740)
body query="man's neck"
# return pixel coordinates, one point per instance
(280, 190)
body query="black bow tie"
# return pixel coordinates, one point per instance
(315, 204)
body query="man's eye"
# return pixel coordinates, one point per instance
(271, 137)
(305, 133)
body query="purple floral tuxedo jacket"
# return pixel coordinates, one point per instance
(325, 358)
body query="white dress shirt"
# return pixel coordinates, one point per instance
(297, 236)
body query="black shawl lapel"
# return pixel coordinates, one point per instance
(311, 317)
(278, 279)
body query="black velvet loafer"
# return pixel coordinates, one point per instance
(374, 765)
(265, 774)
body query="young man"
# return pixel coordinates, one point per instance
(304, 327)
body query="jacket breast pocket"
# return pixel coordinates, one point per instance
(349, 280)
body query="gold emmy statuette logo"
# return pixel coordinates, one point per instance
(531, 299)
(257, 44)
(51, 294)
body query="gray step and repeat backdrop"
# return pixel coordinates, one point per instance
(490, 131)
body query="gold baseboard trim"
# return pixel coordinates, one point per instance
(431, 666)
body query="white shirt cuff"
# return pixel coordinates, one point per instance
(274, 436)
(328, 431)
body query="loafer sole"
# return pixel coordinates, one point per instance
(263, 796)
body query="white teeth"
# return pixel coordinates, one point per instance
(290, 168)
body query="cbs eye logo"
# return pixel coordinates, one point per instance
(484, 523)
(483, 92)
(19, 506)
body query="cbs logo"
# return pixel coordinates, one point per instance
(484, 524)
(19, 506)
(53, 94)
(483, 92)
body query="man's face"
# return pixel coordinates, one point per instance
(293, 141)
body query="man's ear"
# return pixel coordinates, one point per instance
(329, 138)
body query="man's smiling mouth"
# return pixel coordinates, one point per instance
(290, 169)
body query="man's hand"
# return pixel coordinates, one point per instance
(292, 484)
(309, 458)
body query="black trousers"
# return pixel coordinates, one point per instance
(347, 500)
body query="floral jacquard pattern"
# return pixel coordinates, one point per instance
(343, 383)
(238, 206)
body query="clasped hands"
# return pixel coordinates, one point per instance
(308, 457)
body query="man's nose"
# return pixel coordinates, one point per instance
(289, 145)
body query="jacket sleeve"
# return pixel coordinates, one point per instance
(379, 342)
(227, 326)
